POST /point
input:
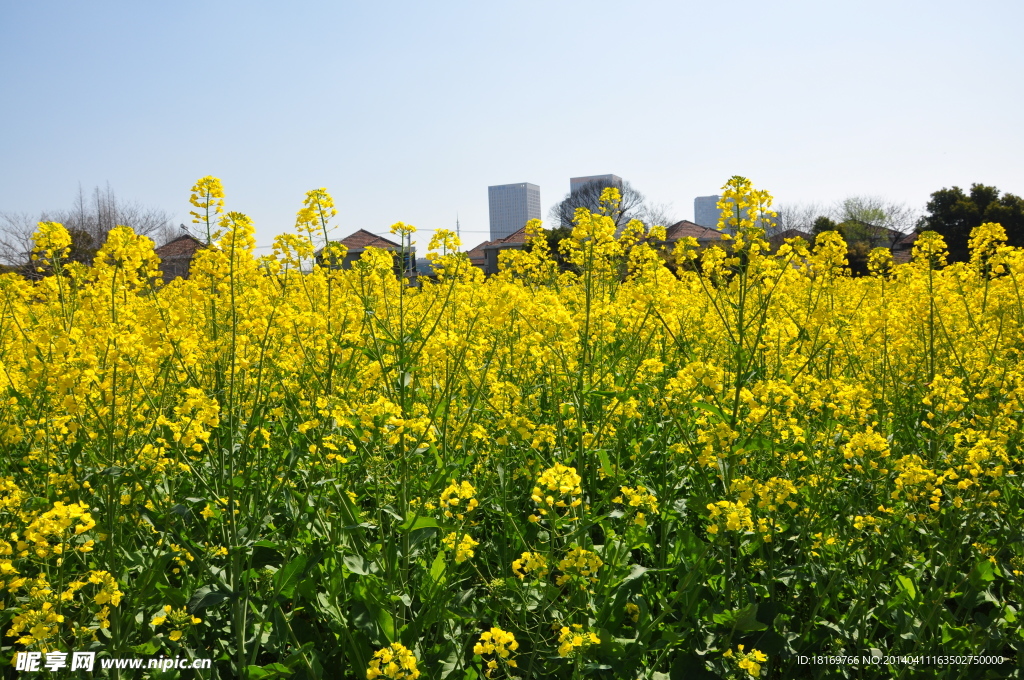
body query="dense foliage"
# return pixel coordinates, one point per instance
(613, 471)
(954, 213)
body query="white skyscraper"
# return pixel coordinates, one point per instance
(511, 207)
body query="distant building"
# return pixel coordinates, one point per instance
(683, 228)
(776, 240)
(514, 241)
(903, 248)
(358, 242)
(705, 211)
(476, 255)
(176, 257)
(511, 207)
(485, 255)
(577, 183)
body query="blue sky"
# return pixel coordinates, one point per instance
(409, 110)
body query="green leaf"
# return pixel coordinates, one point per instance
(390, 509)
(146, 649)
(635, 572)
(437, 569)
(982, 574)
(952, 633)
(274, 670)
(606, 464)
(692, 547)
(420, 536)
(385, 621)
(907, 587)
(690, 666)
(414, 523)
(712, 409)
(288, 576)
(591, 667)
(450, 664)
(741, 619)
(207, 597)
(357, 564)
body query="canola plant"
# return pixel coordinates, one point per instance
(622, 459)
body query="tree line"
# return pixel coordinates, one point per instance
(89, 219)
(865, 222)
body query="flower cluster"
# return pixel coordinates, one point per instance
(208, 200)
(768, 390)
(36, 626)
(638, 498)
(747, 661)
(395, 662)
(579, 566)
(465, 546)
(729, 516)
(59, 523)
(178, 619)
(51, 240)
(770, 494)
(530, 563)
(459, 499)
(557, 487)
(499, 644)
(574, 640)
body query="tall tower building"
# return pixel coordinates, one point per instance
(706, 214)
(705, 211)
(604, 180)
(511, 207)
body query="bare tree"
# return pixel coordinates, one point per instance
(16, 231)
(89, 220)
(798, 216)
(661, 214)
(860, 218)
(104, 211)
(874, 219)
(631, 206)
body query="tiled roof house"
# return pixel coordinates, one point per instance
(359, 241)
(176, 256)
(780, 238)
(683, 228)
(901, 250)
(516, 240)
(476, 255)
(485, 255)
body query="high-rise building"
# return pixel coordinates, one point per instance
(511, 207)
(705, 211)
(605, 180)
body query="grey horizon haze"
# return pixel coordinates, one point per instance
(408, 111)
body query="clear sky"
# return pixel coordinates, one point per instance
(409, 110)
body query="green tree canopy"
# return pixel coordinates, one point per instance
(953, 213)
(823, 223)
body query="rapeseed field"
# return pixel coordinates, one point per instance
(615, 460)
